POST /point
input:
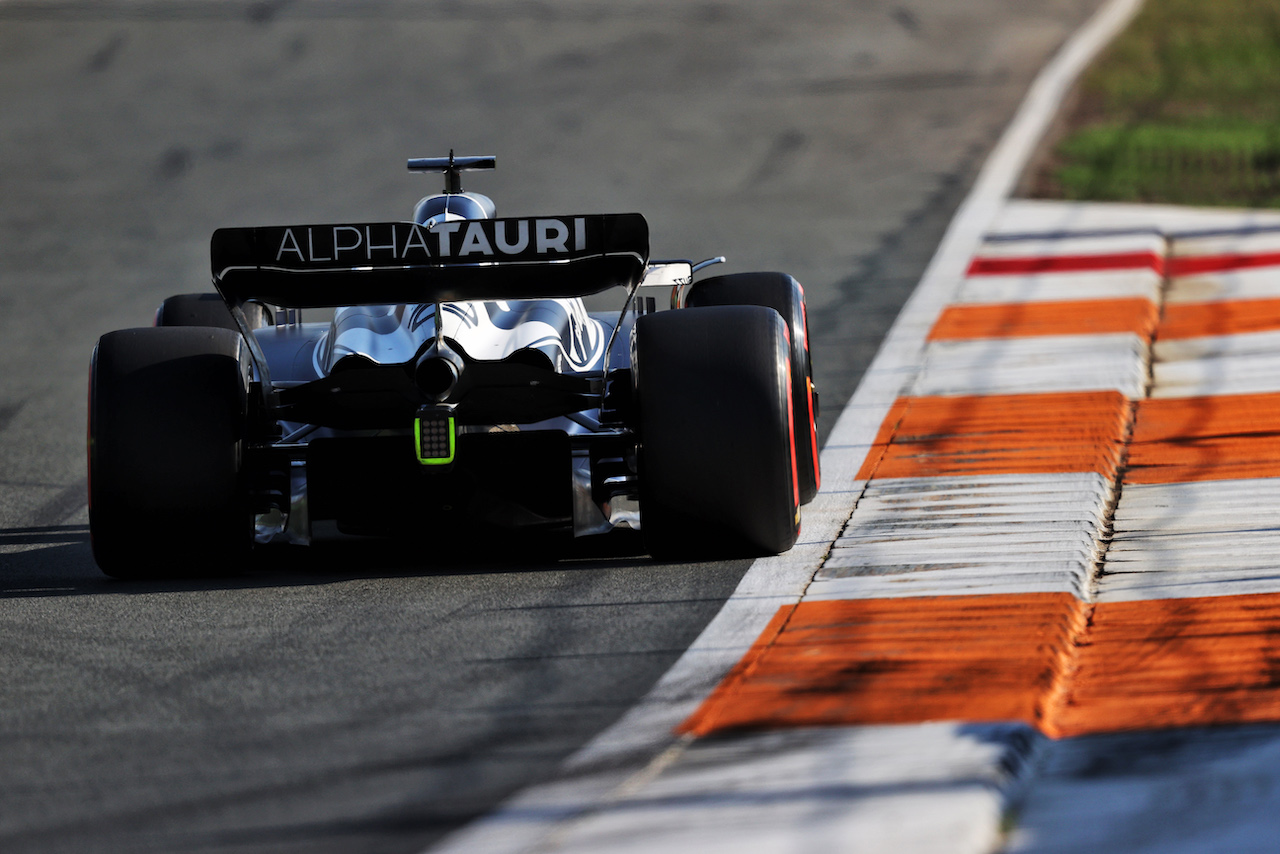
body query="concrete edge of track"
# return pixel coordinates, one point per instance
(617, 773)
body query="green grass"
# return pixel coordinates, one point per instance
(1183, 108)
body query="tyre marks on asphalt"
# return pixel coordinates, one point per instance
(64, 504)
(8, 411)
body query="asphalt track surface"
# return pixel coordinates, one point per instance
(354, 698)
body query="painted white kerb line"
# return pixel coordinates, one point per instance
(640, 745)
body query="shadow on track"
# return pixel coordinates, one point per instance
(57, 560)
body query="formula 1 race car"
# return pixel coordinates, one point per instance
(461, 385)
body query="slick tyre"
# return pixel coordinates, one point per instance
(784, 295)
(717, 457)
(168, 411)
(208, 310)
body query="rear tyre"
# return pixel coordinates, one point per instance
(717, 460)
(783, 294)
(168, 410)
(209, 310)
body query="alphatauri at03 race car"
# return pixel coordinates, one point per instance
(461, 385)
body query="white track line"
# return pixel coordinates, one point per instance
(616, 775)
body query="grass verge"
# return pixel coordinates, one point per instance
(1183, 108)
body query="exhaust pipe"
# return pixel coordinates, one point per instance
(437, 372)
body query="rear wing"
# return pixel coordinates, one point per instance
(314, 266)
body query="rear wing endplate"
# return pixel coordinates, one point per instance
(314, 266)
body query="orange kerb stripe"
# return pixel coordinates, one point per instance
(1176, 663)
(1220, 437)
(1197, 320)
(1027, 319)
(1044, 659)
(896, 661)
(1000, 434)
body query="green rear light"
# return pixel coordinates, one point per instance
(436, 438)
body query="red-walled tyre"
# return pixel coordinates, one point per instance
(784, 295)
(717, 456)
(168, 409)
